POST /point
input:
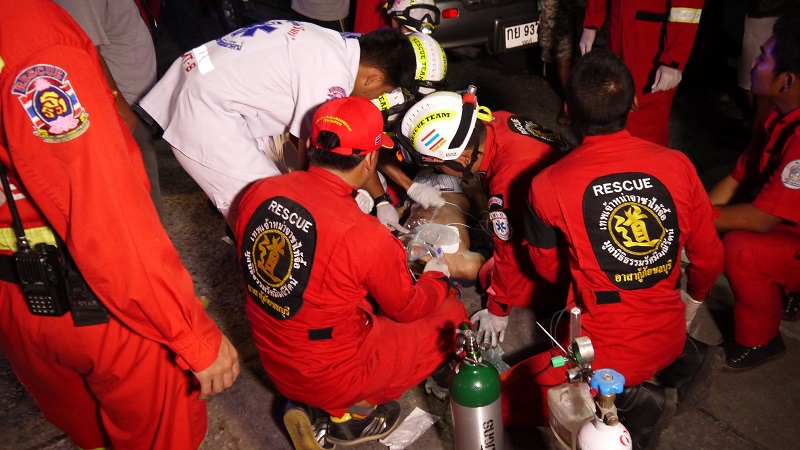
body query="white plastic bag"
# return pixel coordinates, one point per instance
(410, 430)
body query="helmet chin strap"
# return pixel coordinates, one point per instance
(466, 170)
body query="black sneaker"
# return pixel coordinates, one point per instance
(739, 357)
(791, 307)
(646, 410)
(377, 425)
(307, 427)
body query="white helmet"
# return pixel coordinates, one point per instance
(417, 15)
(439, 127)
(429, 77)
(431, 63)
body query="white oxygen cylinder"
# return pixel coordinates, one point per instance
(604, 432)
(596, 435)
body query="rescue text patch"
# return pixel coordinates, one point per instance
(277, 253)
(633, 227)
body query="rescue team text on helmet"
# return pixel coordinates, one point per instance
(415, 15)
(431, 64)
(429, 76)
(438, 128)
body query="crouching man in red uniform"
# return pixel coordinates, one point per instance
(624, 208)
(452, 133)
(762, 248)
(311, 262)
(78, 182)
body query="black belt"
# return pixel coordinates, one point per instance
(8, 271)
(647, 16)
(322, 334)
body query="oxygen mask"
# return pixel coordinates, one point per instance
(417, 248)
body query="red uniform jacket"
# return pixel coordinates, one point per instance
(774, 173)
(516, 150)
(625, 208)
(69, 153)
(370, 15)
(310, 259)
(639, 28)
(646, 34)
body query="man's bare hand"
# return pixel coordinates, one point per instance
(221, 374)
(587, 40)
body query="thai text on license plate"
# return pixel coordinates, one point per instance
(524, 34)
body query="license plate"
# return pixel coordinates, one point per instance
(523, 34)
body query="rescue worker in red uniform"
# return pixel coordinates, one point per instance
(762, 243)
(654, 38)
(624, 208)
(507, 150)
(123, 383)
(311, 258)
(370, 15)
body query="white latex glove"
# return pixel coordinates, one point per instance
(491, 328)
(426, 196)
(365, 202)
(438, 266)
(587, 39)
(691, 307)
(387, 214)
(666, 78)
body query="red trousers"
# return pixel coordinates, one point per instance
(760, 267)
(524, 391)
(410, 352)
(103, 385)
(526, 384)
(650, 121)
(406, 354)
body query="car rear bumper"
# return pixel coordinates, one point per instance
(487, 25)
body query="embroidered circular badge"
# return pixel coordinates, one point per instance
(51, 103)
(631, 222)
(790, 175)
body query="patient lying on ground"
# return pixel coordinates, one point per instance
(452, 233)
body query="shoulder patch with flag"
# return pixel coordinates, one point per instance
(46, 95)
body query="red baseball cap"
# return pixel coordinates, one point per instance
(356, 121)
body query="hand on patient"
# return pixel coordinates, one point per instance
(388, 216)
(426, 196)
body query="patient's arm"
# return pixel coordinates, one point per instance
(393, 170)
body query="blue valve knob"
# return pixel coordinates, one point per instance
(608, 381)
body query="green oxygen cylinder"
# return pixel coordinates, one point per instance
(475, 399)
